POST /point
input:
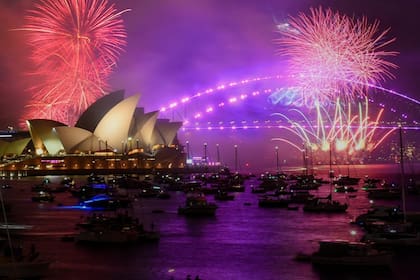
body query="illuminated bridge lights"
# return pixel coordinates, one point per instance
(244, 96)
(224, 87)
(231, 100)
(200, 126)
(255, 124)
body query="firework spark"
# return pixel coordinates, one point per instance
(75, 45)
(332, 55)
(346, 131)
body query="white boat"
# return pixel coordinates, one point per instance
(350, 254)
(15, 227)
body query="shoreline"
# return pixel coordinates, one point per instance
(412, 170)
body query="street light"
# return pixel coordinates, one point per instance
(188, 149)
(131, 144)
(205, 152)
(277, 159)
(236, 158)
(403, 188)
(218, 153)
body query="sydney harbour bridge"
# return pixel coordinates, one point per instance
(263, 115)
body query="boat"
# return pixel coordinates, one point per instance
(269, 201)
(147, 193)
(392, 234)
(163, 194)
(349, 254)
(345, 189)
(380, 213)
(302, 186)
(300, 196)
(223, 195)
(91, 189)
(14, 229)
(43, 196)
(15, 263)
(236, 188)
(121, 229)
(369, 186)
(326, 204)
(196, 204)
(257, 189)
(108, 235)
(384, 193)
(106, 202)
(394, 240)
(396, 234)
(368, 180)
(346, 180)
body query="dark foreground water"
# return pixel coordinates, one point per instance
(243, 241)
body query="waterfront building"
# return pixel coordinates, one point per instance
(113, 133)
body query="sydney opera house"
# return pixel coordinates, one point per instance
(113, 133)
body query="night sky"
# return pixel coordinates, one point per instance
(178, 47)
(175, 48)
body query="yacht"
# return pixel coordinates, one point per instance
(325, 205)
(106, 202)
(196, 204)
(350, 254)
(43, 196)
(121, 229)
(397, 235)
(223, 195)
(269, 201)
(346, 180)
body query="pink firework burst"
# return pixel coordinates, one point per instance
(75, 46)
(332, 55)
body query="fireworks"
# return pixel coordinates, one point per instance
(75, 45)
(332, 55)
(346, 131)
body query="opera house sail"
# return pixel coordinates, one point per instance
(113, 133)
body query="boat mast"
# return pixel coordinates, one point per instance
(348, 161)
(305, 160)
(331, 172)
(402, 174)
(9, 239)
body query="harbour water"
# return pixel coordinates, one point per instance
(242, 241)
